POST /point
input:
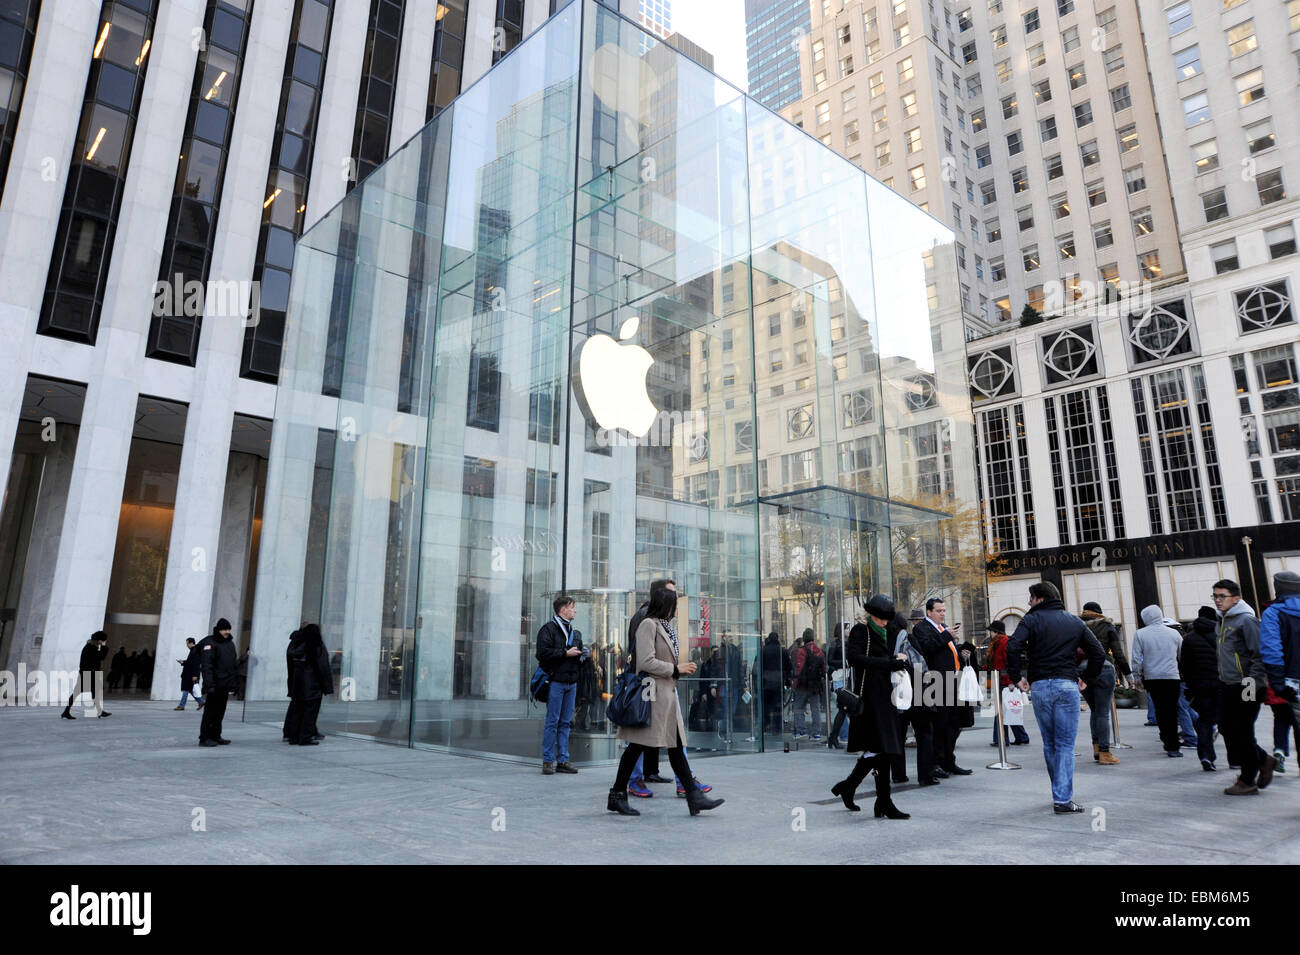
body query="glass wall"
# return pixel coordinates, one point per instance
(604, 320)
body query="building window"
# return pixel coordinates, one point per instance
(1179, 18)
(988, 193)
(902, 34)
(1134, 180)
(1055, 169)
(1065, 247)
(1142, 223)
(1205, 156)
(917, 174)
(857, 408)
(1047, 129)
(1083, 114)
(1119, 98)
(982, 156)
(1025, 218)
(1269, 186)
(1102, 236)
(1037, 57)
(992, 372)
(1196, 110)
(1084, 472)
(1280, 240)
(1029, 258)
(1215, 204)
(1177, 451)
(909, 105)
(912, 140)
(869, 20)
(968, 53)
(999, 36)
(799, 422)
(1070, 40)
(1149, 266)
(873, 50)
(1110, 281)
(1160, 332)
(1224, 256)
(997, 270)
(1004, 71)
(846, 66)
(877, 84)
(851, 132)
(1096, 194)
(1089, 154)
(1019, 181)
(879, 120)
(1078, 76)
(1250, 87)
(1188, 62)
(905, 70)
(1060, 206)
(1113, 59)
(1010, 107)
(1263, 307)
(1241, 38)
(993, 230)
(882, 155)
(1013, 143)
(1259, 136)
(819, 81)
(1000, 490)
(1063, 7)
(1128, 137)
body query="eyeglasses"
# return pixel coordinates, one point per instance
(1220, 596)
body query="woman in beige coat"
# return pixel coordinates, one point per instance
(656, 658)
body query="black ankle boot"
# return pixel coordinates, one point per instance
(67, 714)
(846, 788)
(618, 803)
(884, 805)
(696, 801)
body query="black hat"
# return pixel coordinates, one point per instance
(916, 614)
(881, 607)
(99, 635)
(997, 626)
(1208, 613)
(1093, 606)
(222, 624)
(1286, 583)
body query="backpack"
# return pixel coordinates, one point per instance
(539, 687)
(814, 670)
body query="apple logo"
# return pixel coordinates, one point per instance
(611, 382)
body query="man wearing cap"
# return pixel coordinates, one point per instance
(1156, 649)
(1198, 666)
(1279, 640)
(1051, 636)
(997, 660)
(219, 661)
(90, 675)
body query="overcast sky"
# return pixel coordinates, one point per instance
(719, 27)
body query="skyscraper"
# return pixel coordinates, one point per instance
(773, 29)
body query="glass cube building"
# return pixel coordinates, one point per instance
(605, 320)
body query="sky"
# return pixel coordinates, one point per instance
(719, 27)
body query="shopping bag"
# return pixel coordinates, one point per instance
(968, 686)
(901, 694)
(1013, 706)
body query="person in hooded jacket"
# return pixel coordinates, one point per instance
(218, 662)
(1198, 666)
(1279, 646)
(1242, 673)
(90, 675)
(775, 666)
(1156, 648)
(309, 680)
(873, 732)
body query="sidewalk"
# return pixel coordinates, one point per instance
(134, 788)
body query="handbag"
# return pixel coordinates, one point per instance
(849, 701)
(628, 707)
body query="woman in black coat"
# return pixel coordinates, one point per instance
(309, 680)
(874, 731)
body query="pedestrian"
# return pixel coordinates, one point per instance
(117, 668)
(217, 660)
(1279, 646)
(920, 716)
(310, 680)
(774, 664)
(647, 767)
(190, 674)
(129, 669)
(291, 712)
(943, 666)
(834, 664)
(997, 660)
(1198, 667)
(873, 730)
(1242, 673)
(809, 685)
(560, 654)
(1156, 649)
(90, 675)
(1050, 637)
(1186, 718)
(656, 651)
(241, 675)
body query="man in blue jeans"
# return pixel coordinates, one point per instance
(1051, 637)
(560, 654)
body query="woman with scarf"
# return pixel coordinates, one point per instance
(873, 732)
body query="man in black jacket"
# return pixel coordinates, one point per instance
(1198, 666)
(1051, 637)
(560, 654)
(190, 674)
(943, 661)
(90, 675)
(218, 659)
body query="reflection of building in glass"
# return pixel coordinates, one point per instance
(601, 200)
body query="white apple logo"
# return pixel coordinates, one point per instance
(612, 382)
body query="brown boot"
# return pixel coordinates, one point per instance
(1096, 748)
(1106, 758)
(1241, 789)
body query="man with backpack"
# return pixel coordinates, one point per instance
(809, 685)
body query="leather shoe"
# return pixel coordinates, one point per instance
(927, 782)
(655, 778)
(955, 770)
(902, 779)
(566, 768)
(548, 769)
(318, 736)
(208, 742)
(1064, 808)
(1267, 766)
(222, 741)
(940, 774)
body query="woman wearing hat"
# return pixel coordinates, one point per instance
(873, 732)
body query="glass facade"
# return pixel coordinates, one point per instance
(606, 320)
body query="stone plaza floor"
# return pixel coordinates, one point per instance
(136, 788)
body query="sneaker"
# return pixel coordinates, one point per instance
(178, 708)
(819, 738)
(1279, 758)
(1173, 753)
(702, 787)
(639, 789)
(1149, 723)
(1241, 789)
(1266, 772)
(799, 736)
(548, 769)
(1067, 807)
(1207, 766)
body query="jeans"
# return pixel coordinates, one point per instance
(559, 719)
(1166, 694)
(1186, 717)
(1285, 723)
(1098, 696)
(804, 698)
(1056, 707)
(1205, 701)
(187, 693)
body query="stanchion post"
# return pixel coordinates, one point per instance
(1114, 726)
(1001, 731)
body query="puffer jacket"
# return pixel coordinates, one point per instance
(1199, 662)
(1238, 642)
(1279, 643)
(1156, 648)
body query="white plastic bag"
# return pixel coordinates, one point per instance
(1013, 706)
(901, 694)
(968, 687)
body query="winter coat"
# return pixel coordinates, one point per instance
(1279, 642)
(588, 682)
(309, 669)
(806, 654)
(218, 659)
(997, 658)
(1108, 635)
(1156, 648)
(92, 657)
(876, 729)
(1199, 662)
(936, 644)
(655, 659)
(190, 669)
(776, 665)
(1238, 643)
(1050, 636)
(552, 652)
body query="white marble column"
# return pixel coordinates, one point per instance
(236, 541)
